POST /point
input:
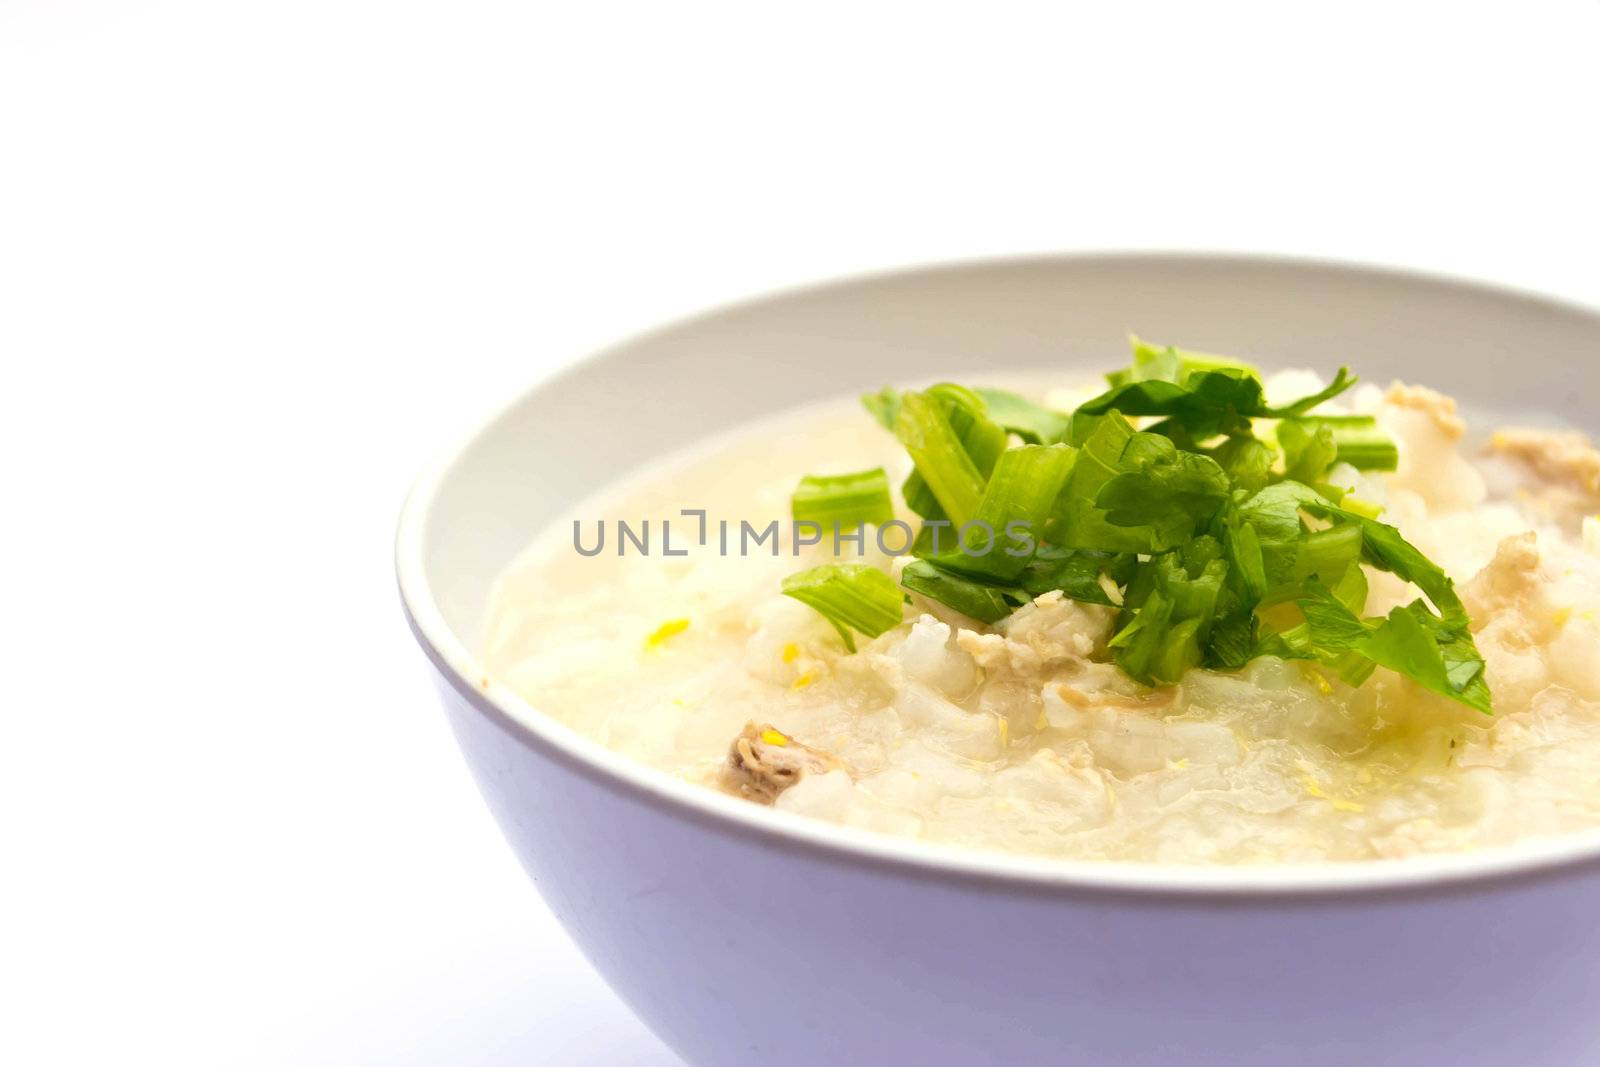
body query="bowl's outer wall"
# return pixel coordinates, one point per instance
(738, 950)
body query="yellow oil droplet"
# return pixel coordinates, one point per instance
(1562, 615)
(773, 737)
(667, 630)
(804, 680)
(1338, 804)
(791, 652)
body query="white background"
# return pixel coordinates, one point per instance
(259, 259)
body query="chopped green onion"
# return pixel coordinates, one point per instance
(981, 437)
(1308, 450)
(1075, 521)
(1367, 509)
(1179, 652)
(1358, 440)
(1247, 460)
(883, 405)
(843, 500)
(1169, 616)
(1032, 422)
(1010, 520)
(1167, 363)
(852, 596)
(1170, 492)
(952, 478)
(1327, 553)
(975, 599)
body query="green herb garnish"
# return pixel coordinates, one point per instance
(852, 596)
(1217, 543)
(1003, 533)
(976, 599)
(1034, 423)
(843, 501)
(1206, 402)
(954, 444)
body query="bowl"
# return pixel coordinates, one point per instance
(745, 935)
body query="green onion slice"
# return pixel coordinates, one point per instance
(843, 500)
(975, 599)
(852, 596)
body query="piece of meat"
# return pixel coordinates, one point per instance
(1557, 455)
(1438, 407)
(763, 761)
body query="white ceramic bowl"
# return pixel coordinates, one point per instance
(746, 936)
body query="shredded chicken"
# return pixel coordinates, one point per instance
(1440, 408)
(1559, 455)
(1052, 631)
(1153, 700)
(764, 761)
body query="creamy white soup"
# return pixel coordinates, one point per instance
(1024, 733)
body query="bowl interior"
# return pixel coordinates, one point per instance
(600, 420)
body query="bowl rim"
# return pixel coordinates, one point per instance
(1543, 859)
